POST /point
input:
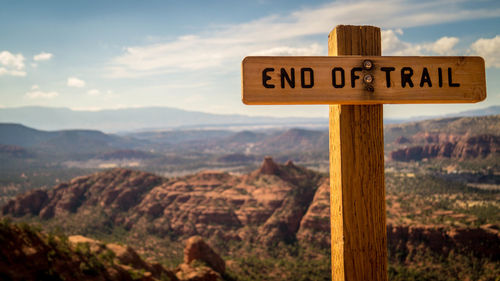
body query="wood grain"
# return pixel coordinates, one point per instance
(357, 191)
(468, 72)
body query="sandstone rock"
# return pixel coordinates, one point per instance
(197, 249)
(476, 241)
(269, 167)
(315, 225)
(466, 147)
(187, 272)
(27, 203)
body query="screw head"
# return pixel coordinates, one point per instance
(368, 78)
(367, 64)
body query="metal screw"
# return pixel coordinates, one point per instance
(370, 88)
(368, 78)
(367, 64)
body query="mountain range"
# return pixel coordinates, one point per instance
(162, 118)
(133, 119)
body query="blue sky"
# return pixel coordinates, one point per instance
(187, 54)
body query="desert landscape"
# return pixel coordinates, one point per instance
(111, 206)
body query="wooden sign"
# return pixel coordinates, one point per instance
(363, 80)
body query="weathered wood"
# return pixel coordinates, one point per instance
(395, 80)
(359, 241)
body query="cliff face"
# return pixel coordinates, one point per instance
(449, 146)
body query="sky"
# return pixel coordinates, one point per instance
(92, 55)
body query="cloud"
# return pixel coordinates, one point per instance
(103, 95)
(489, 49)
(197, 98)
(12, 72)
(43, 56)
(37, 94)
(393, 46)
(35, 87)
(12, 64)
(75, 82)
(220, 46)
(94, 92)
(444, 46)
(312, 50)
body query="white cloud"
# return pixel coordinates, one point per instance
(35, 87)
(489, 49)
(197, 98)
(12, 64)
(75, 82)
(444, 46)
(94, 92)
(312, 50)
(227, 45)
(37, 94)
(392, 45)
(12, 72)
(43, 56)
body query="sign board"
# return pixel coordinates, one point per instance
(362, 80)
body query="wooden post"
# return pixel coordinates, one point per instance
(357, 189)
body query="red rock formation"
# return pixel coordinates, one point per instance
(269, 167)
(465, 148)
(477, 146)
(271, 200)
(197, 249)
(315, 225)
(477, 241)
(27, 203)
(290, 205)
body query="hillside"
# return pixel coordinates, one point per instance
(28, 253)
(67, 142)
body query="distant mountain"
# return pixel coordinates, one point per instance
(478, 125)
(154, 118)
(130, 119)
(492, 110)
(71, 142)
